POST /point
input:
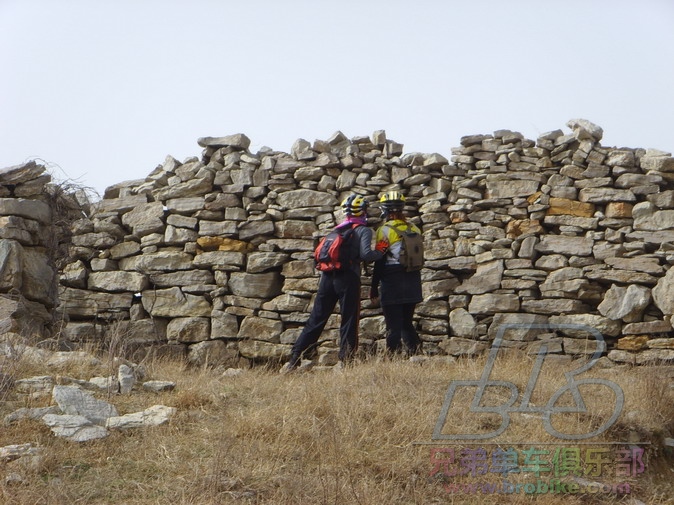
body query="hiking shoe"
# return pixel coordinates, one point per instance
(297, 366)
(292, 364)
(288, 368)
(339, 367)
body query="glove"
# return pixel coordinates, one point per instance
(382, 246)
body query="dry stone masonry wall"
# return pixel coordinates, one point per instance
(212, 256)
(28, 281)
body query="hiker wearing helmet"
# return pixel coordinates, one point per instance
(399, 274)
(341, 284)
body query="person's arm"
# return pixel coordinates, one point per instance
(366, 252)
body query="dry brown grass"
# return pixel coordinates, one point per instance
(359, 437)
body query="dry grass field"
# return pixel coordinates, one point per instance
(361, 436)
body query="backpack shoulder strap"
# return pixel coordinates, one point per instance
(347, 231)
(391, 227)
(396, 229)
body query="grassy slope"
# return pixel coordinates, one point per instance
(319, 437)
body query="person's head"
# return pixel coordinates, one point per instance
(355, 206)
(392, 204)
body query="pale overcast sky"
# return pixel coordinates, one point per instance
(102, 91)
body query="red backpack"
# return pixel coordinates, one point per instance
(334, 251)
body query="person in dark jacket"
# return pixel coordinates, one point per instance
(400, 289)
(341, 286)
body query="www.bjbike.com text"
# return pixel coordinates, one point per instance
(541, 486)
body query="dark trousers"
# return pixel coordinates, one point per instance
(333, 287)
(400, 326)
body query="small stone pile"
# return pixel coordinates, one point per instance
(212, 256)
(28, 280)
(76, 413)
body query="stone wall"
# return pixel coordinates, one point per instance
(212, 256)
(28, 280)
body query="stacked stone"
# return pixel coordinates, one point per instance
(562, 231)
(28, 280)
(214, 253)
